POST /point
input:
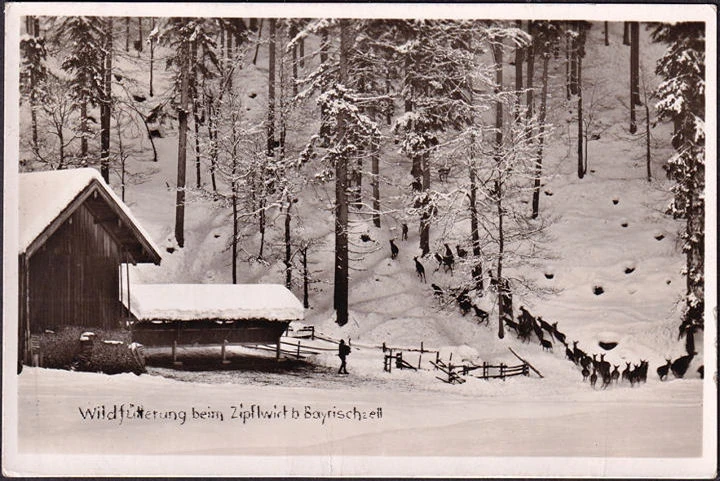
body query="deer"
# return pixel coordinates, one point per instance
(439, 260)
(615, 374)
(626, 372)
(680, 365)
(482, 315)
(546, 345)
(394, 251)
(577, 352)
(558, 335)
(545, 325)
(593, 378)
(460, 251)
(419, 269)
(570, 355)
(662, 371)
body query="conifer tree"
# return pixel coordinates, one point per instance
(33, 72)
(682, 99)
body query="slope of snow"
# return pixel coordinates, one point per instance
(559, 415)
(185, 302)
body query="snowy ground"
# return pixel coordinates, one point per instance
(518, 417)
(557, 416)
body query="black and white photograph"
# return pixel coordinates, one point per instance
(360, 240)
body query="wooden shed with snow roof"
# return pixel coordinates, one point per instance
(74, 234)
(171, 315)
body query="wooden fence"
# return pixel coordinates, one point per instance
(488, 371)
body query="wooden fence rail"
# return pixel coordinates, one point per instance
(501, 371)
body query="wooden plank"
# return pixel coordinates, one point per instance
(529, 365)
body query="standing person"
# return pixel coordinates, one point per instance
(343, 352)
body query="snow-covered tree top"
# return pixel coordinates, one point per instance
(44, 196)
(187, 302)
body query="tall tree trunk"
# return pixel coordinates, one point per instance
(574, 60)
(271, 89)
(582, 164)
(541, 136)
(341, 201)
(306, 297)
(127, 34)
(301, 47)
(121, 153)
(83, 128)
(498, 59)
(519, 54)
(427, 214)
(212, 136)
(257, 47)
(33, 26)
(152, 55)
(105, 106)
(195, 106)
(140, 35)
(234, 199)
(605, 32)
(235, 233)
(375, 159)
(221, 43)
(262, 224)
(626, 33)
(61, 153)
(288, 246)
(568, 47)
(530, 75)
(182, 144)
(477, 272)
(634, 73)
(357, 179)
(293, 33)
(324, 46)
(647, 137)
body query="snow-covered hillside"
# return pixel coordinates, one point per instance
(610, 272)
(588, 244)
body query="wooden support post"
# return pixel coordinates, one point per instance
(437, 358)
(390, 361)
(312, 333)
(277, 350)
(384, 346)
(223, 351)
(420, 359)
(450, 368)
(485, 369)
(175, 361)
(502, 371)
(298, 350)
(421, 347)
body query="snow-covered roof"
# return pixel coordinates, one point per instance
(186, 302)
(43, 196)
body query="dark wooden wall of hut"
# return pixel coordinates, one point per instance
(74, 276)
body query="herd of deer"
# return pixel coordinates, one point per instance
(527, 325)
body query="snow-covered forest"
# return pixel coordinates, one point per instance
(465, 185)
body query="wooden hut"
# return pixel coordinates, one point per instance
(171, 315)
(74, 234)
